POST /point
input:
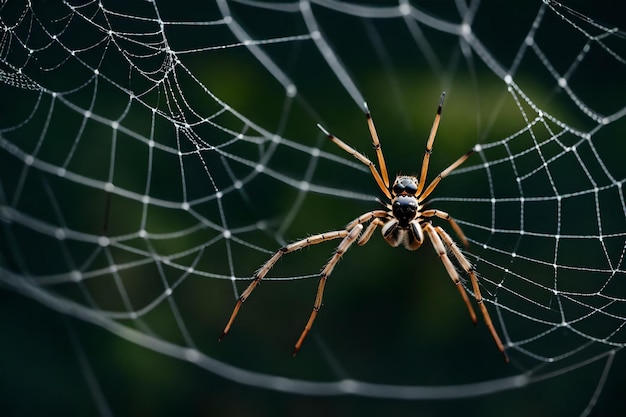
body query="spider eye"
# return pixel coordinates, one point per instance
(405, 185)
(398, 188)
(410, 187)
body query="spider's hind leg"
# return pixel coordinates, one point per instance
(440, 248)
(328, 269)
(269, 264)
(469, 270)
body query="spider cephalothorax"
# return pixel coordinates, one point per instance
(404, 222)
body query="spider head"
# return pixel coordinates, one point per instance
(404, 185)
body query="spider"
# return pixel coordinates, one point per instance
(404, 222)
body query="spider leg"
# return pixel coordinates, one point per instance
(328, 269)
(365, 237)
(431, 187)
(367, 234)
(469, 270)
(258, 276)
(364, 218)
(363, 159)
(443, 255)
(376, 143)
(445, 216)
(429, 145)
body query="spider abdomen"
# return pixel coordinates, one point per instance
(404, 209)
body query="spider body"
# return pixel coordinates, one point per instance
(405, 222)
(402, 225)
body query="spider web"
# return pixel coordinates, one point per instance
(154, 155)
